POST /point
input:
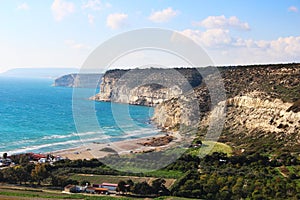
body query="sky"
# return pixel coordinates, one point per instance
(62, 33)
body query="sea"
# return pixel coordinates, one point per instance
(37, 117)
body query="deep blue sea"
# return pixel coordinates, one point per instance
(37, 117)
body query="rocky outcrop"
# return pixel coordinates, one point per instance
(79, 80)
(295, 107)
(261, 102)
(255, 113)
(148, 87)
(267, 83)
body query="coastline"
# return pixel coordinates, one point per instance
(100, 150)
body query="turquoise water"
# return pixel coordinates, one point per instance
(36, 117)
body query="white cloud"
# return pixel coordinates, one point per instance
(61, 9)
(226, 49)
(95, 5)
(116, 20)
(163, 15)
(75, 45)
(293, 9)
(212, 38)
(91, 18)
(23, 6)
(213, 22)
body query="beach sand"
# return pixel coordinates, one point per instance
(96, 150)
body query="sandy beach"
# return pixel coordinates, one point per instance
(100, 150)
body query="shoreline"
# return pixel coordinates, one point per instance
(100, 150)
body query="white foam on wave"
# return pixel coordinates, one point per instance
(98, 137)
(37, 147)
(138, 133)
(50, 137)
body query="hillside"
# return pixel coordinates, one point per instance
(262, 106)
(262, 102)
(78, 80)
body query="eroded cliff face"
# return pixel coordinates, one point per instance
(269, 116)
(148, 87)
(261, 102)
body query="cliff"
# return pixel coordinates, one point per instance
(262, 103)
(148, 87)
(78, 80)
(262, 106)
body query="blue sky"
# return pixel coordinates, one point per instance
(62, 33)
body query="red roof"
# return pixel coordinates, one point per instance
(101, 189)
(38, 156)
(109, 184)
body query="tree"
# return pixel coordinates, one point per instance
(142, 188)
(237, 189)
(39, 173)
(122, 187)
(9, 175)
(158, 187)
(21, 174)
(4, 155)
(85, 183)
(1, 176)
(130, 183)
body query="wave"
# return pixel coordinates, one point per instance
(100, 137)
(38, 147)
(50, 137)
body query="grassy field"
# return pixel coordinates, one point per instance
(208, 147)
(165, 174)
(98, 179)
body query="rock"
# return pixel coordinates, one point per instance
(295, 107)
(260, 100)
(148, 87)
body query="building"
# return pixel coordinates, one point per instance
(102, 191)
(109, 186)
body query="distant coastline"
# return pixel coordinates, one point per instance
(49, 73)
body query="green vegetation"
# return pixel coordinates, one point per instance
(144, 162)
(9, 192)
(109, 150)
(24, 192)
(164, 173)
(98, 179)
(249, 176)
(221, 174)
(12, 193)
(209, 147)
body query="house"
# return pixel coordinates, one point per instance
(109, 186)
(57, 158)
(42, 160)
(37, 157)
(5, 162)
(73, 189)
(90, 190)
(102, 191)
(68, 188)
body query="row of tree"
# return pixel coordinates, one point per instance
(157, 187)
(247, 176)
(216, 176)
(28, 173)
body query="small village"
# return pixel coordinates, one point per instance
(104, 188)
(33, 170)
(6, 161)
